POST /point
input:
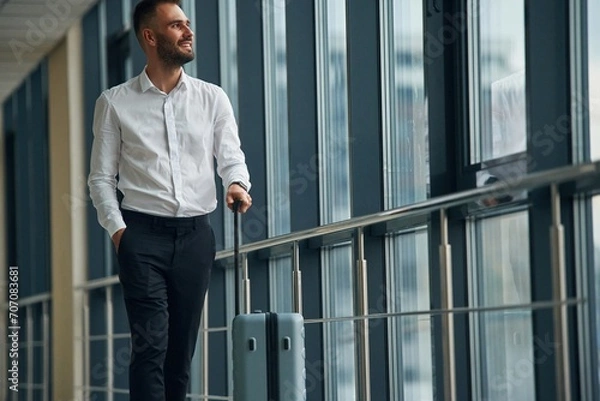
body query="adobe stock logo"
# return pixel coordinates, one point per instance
(41, 29)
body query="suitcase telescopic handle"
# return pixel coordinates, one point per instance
(240, 264)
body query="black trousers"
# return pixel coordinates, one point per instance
(165, 265)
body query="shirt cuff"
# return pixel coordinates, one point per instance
(242, 183)
(115, 225)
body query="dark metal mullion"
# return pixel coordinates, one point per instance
(10, 181)
(208, 64)
(592, 295)
(445, 73)
(457, 60)
(138, 58)
(31, 131)
(548, 108)
(45, 187)
(40, 188)
(251, 130)
(22, 170)
(586, 207)
(366, 153)
(434, 84)
(304, 174)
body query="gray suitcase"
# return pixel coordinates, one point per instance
(268, 348)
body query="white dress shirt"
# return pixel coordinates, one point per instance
(162, 146)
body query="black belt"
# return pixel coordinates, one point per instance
(163, 221)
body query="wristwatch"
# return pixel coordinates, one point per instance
(241, 184)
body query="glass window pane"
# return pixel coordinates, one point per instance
(502, 341)
(229, 83)
(189, 8)
(334, 189)
(339, 342)
(411, 363)
(497, 79)
(332, 83)
(276, 118)
(406, 172)
(280, 284)
(274, 43)
(406, 156)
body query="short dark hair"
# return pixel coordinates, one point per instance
(145, 10)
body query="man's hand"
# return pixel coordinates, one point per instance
(116, 238)
(236, 192)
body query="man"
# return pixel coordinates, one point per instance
(159, 132)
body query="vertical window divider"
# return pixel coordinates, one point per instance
(323, 106)
(474, 80)
(580, 126)
(472, 280)
(387, 78)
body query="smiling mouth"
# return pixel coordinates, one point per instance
(186, 45)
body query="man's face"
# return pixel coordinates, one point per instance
(174, 37)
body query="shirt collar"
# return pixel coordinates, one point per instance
(146, 83)
(183, 80)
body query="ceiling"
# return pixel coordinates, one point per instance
(29, 29)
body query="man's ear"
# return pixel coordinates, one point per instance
(149, 37)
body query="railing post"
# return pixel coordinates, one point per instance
(362, 326)
(46, 350)
(297, 277)
(110, 381)
(245, 283)
(447, 305)
(205, 353)
(559, 295)
(86, 344)
(240, 258)
(29, 347)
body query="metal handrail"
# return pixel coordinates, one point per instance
(530, 181)
(527, 182)
(31, 300)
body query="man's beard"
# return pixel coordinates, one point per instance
(171, 54)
